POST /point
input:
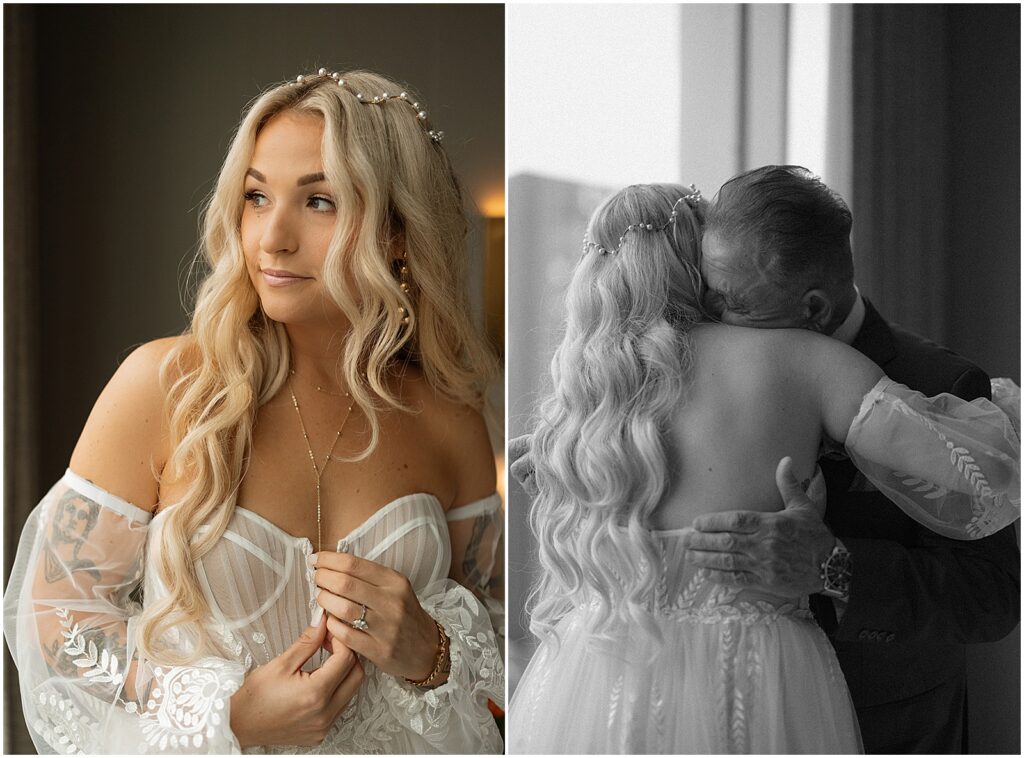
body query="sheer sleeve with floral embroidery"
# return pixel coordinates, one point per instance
(950, 464)
(478, 556)
(70, 612)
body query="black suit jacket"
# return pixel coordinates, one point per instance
(916, 597)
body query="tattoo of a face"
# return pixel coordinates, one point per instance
(484, 581)
(74, 519)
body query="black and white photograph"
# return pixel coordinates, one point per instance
(254, 383)
(763, 378)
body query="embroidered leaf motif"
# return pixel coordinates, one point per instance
(99, 668)
(727, 683)
(614, 699)
(931, 490)
(959, 456)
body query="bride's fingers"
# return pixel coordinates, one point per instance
(342, 608)
(359, 641)
(347, 688)
(519, 446)
(370, 572)
(345, 585)
(521, 469)
(336, 667)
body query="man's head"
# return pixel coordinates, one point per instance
(776, 251)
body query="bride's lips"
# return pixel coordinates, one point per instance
(277, 278)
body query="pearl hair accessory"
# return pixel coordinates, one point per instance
(692, 199)
(435, 135)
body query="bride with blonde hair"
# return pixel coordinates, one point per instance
(278, 532)
(657, 415)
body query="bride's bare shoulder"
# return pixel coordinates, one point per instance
(800, 359)
(459, 432)
(744, 340)
(124, 443)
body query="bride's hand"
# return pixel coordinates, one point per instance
(279, 704)
(400, 637)
(521, 463)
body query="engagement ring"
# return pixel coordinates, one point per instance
(360, 623)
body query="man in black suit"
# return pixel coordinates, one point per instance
(898, 601)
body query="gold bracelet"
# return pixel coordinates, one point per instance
(442, 655)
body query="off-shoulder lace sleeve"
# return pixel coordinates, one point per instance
(454, 717)
(950, 464)
(478, 556)
(70, 612)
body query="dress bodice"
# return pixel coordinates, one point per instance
(257, 568)
(686, 592)
(260, 592)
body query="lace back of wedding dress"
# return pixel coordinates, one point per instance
(714, 683)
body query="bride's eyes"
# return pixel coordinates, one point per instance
(256, 199)
(321, 204)
(318, 203)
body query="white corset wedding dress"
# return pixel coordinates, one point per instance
(71, 618)
(741, 671)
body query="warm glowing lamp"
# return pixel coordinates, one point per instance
(493, 206)
(494, 270)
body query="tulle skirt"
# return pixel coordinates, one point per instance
(761, 681)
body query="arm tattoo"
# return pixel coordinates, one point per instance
(471, 568)
(485, 581)
(60, 663)
(73, 521)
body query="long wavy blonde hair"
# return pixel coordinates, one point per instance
(618, 375)
(380, 161)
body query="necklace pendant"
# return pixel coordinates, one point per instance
(318, 472)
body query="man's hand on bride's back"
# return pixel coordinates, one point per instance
(780, 552)
(521, 463)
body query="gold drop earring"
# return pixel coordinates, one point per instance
(403, 284)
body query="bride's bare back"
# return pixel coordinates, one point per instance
(753, 397)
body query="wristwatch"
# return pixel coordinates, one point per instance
(836, 572)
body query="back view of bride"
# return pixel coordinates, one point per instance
(657, 417)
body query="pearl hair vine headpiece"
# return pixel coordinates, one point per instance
(421, 115)
(692, 199)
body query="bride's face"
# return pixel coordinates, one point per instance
(289, 219)
(741, 293)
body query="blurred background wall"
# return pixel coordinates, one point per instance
(116, 121)
(911, 112)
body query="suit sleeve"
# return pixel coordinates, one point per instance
(923, 586)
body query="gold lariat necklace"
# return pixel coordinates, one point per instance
(318, 472)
